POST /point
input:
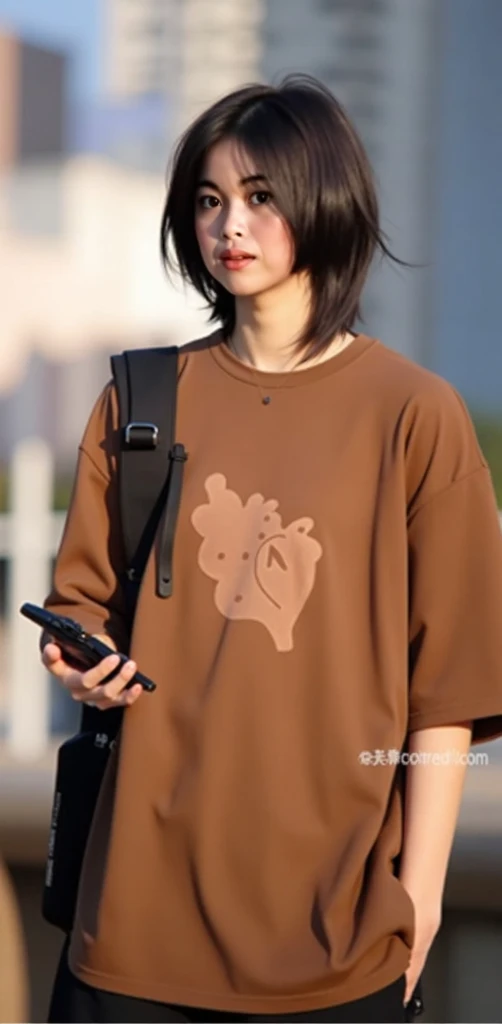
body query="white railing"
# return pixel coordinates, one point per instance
(29, 538)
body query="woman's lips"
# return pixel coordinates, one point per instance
(236, 262)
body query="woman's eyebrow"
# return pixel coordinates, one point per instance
(206, 183)
(251, 179)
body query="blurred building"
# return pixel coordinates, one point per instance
(140, 46)
(221, 48)
(468, 214)
(79, 249)
(33, 101)
(191, 50)
(131, 132)
(77, 287)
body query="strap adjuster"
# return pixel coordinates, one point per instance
(141, 436)
(178, 453)
(133, 575)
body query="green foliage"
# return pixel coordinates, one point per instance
(61, 496)
(62, 493)
(489, 431)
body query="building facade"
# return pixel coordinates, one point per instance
(141, 45)
(33, 101)
(193, 51)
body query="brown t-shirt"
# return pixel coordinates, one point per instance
(337, 584)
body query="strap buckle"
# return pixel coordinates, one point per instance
(141, 436)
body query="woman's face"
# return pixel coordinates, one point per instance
(244, 241)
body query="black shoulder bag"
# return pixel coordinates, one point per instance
(150, 481)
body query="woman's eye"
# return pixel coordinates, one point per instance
(207, 202)
(260, 198)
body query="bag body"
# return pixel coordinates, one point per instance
(81, 764)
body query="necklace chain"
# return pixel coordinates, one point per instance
(265, 398)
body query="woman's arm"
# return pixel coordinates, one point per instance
(89, 569)
(90, 565)
(432, 804)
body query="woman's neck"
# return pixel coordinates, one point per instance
(267, 326)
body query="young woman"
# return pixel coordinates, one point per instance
(260, 850)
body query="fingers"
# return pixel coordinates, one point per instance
(90, 686)
(113, 693)
(412, 976)
(52, 659)
(95, 676)
(100, 698)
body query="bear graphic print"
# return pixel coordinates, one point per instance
(264, 572)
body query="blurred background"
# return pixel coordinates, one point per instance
(93, 94)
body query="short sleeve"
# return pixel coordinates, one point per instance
(455, 608)
(90, 563)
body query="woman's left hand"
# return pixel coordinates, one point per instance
(426, 928)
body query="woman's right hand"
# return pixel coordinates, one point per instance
(88, 687)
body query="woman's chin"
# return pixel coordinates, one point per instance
(248, 289)
(243, 289)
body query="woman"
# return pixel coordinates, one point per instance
(256, 854)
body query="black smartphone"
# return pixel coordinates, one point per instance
(81, 650)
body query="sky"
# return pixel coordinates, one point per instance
(73, 25)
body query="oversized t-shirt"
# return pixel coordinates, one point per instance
(337, 585)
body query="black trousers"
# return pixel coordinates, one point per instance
(73, 1001)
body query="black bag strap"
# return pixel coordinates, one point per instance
(150, 462)
(150, 480)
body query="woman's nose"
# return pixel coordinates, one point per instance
(232, 224)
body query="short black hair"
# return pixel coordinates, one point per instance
(301, 139)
